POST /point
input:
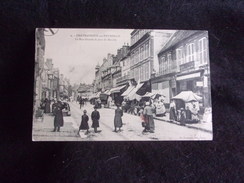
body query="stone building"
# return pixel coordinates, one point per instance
(145, 44)
(184, 65)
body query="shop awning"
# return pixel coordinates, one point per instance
(98, 94)
(107, 92)
(187, 96)
(117, 89)
(149, 94)
(129, 89)
(132, 95)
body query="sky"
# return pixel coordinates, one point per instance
(76, 52)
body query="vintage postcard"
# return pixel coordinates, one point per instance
(122, 85)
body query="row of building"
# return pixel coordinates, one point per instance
(49, 82)
(167, 62)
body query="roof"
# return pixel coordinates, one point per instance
(176, 38)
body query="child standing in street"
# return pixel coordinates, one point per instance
(84, 123)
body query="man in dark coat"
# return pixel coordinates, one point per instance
(95, 116)
(84, 123)
(118, 119)
(58, 116)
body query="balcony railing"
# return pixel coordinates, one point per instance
(172, 69)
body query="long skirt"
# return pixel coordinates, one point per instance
(150, 123)
(84, 125)
(118, 122)
(172, 114)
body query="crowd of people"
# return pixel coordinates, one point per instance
(187, 114)
(146, 109)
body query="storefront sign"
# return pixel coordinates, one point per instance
(187, 66)
(199, 83)
(189, 76)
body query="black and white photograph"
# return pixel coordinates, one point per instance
(121, 85)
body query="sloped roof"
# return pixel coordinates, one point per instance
(176, 38)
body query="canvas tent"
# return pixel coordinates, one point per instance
(187, 96)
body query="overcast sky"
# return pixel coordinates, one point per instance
(77, 59)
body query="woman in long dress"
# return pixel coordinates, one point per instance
(172, 111)
(118, 119)
(148, 113)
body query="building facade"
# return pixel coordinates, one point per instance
(184, 65)
(145, 44)
(39, 66)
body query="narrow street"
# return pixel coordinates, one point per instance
(132, 129)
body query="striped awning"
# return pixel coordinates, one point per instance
(129, 89)
(117, 89)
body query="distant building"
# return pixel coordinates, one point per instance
(98, 79)
(184, 65)
(106, 76)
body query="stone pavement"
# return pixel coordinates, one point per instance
(42, 131)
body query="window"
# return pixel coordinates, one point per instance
(160, 66)
(169, 62)
(147, 50)
(137, 55)
(163, 65)
(179, 56)
(141, 53)
(190, 50)
(136, 74)
(132, 58)
(203, 50)
(147, 68)
(141, 72)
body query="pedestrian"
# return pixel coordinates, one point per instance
(182, 117)
(194, 112)
(172, 111)
(148, 115)
(188, 115)
(58, 116)
(95, 116)
(54, 105)
(118, 119)
(80, 102)
(47, 106)
(143, 121)
(84, 123)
